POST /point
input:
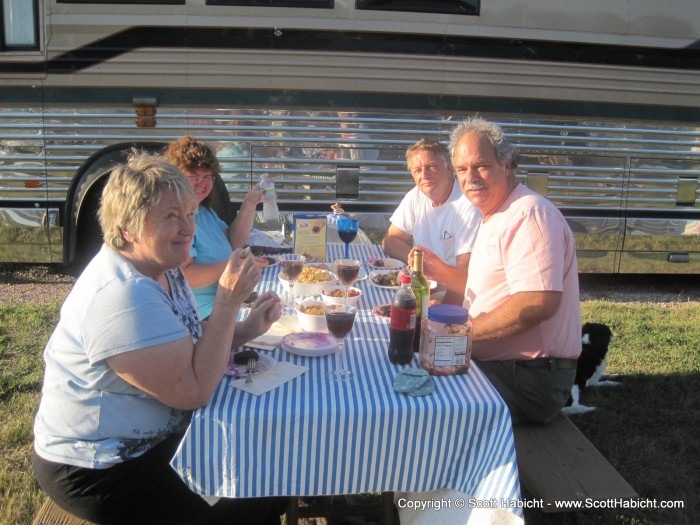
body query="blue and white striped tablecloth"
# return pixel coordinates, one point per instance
(315, 436)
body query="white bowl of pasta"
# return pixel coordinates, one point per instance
(313, 278)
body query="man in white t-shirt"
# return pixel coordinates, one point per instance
(434, 216)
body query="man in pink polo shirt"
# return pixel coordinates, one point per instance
(522, 285)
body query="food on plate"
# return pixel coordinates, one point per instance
(386, 279)
(383, 310)
(265, 261)
(313, 274)
(241, 358)
(311, 310)
(385, 263)
(339, 292)
(251, 298)
(269, 250)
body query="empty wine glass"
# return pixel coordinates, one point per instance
(347, 231)
(339, 319)
(347, 271)
(291, 266)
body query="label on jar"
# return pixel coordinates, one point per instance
(450, 350)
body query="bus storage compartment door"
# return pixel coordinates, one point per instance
(347, 182)
(657, 246)
(26, 235)
(687, 189)
(538, 182)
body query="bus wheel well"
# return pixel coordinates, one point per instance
(88, 234)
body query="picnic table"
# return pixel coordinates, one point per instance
(313, 436)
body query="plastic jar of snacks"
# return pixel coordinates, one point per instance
(446, 340)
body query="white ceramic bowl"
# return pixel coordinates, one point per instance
(332, 299)
(302, 290)
(309, 322)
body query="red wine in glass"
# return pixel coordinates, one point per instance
(347, 236)
(339, 320)
(291, 269)
(347, 231)
(347, 273)
(291, 266)
(340, 323)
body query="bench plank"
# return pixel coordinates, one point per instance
(557, 462)
(52, 514)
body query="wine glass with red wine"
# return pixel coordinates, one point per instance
(347, 231)
(339, 319)
(291, 266)
(347, 271)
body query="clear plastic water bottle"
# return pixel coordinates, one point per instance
(271, 212)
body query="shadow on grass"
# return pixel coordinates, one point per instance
(647, 427)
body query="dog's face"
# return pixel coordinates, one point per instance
(596, 335)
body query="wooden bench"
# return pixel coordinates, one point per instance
(556, 462)
(381, 511)
(52, 514)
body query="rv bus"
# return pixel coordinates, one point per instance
(601, 98)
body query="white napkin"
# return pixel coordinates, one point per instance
(272, 338)
(279, 375)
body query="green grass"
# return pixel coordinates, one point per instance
(648, 427)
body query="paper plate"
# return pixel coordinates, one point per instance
(385, 263)
(309, 344)
(376, 273)
(265, 363)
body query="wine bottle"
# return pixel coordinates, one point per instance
(421, 289)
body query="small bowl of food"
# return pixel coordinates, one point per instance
(311, 317)
(335, 294)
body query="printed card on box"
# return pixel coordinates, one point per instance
(310, 237)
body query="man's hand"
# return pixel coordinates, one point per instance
(432, 264)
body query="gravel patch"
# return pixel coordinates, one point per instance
(23, 283)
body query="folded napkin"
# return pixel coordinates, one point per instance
(273, 337)
(271, 379)
(414, 382)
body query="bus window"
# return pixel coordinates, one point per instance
(276, 3)
(19, 25)
(168, 2)
(457, 7)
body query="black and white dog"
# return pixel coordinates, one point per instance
(595, 339)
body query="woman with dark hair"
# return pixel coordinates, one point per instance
(214, 240)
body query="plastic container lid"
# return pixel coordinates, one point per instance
(448, 314)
